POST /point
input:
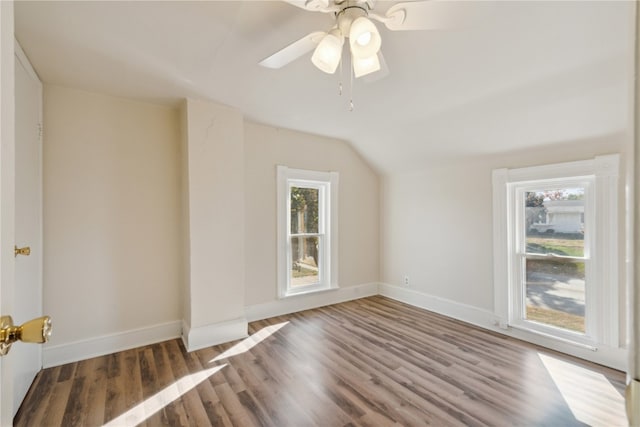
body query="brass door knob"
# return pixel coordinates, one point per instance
(26, 251)
(35, 331)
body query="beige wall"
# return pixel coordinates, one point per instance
(215, 146)
(111, 214)
(266, 147)
(184, 211)
(156, 214)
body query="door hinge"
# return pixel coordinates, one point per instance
(40, 131)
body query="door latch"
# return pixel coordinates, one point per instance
(26, 251)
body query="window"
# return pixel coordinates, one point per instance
(552, 255)
(555, 250)
(307, 231)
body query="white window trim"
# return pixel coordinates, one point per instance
(329, 275)
(604, 264)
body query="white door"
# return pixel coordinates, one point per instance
(27, 358)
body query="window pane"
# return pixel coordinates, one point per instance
(305, 260)
(556, 293)
(555, 221)
(304, 210)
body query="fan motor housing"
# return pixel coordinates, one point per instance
(351, 10)
(369, 3)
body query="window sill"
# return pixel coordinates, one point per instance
(307, 292)
(563, 340)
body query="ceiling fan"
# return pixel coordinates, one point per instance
(354, 21)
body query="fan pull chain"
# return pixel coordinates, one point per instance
(340, 81)
(351, 106)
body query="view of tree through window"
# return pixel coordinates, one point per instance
(305, 238)
(555, 263)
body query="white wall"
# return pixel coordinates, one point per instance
(111, 215)
(436, 223)
(266, 147)
(436, 229)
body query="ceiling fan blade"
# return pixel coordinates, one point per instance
(429, 15)
(293, 51)
(314, 5)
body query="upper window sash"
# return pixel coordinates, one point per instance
(519, 190)
(324, 193)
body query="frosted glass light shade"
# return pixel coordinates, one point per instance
(328, 52)
(364, 38)
(364, 66)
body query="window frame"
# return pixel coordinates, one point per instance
(601, 271)
(327, 184)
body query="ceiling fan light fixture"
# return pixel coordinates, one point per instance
(328, 53)
(364, 38)
(364, 66)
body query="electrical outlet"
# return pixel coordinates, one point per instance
(406, 280)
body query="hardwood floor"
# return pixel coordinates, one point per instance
(370, 362)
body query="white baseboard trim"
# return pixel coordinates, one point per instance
(609, 356)
(60, 354)
(466, 313)
(195, 338)
(308, 301)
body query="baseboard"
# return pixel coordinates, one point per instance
(308, 301)
(466, 313)
(195, 338)
(609, 356)
(106, 344)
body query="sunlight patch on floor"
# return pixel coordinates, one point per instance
(250, 342)
(155, 403)
(588, 394)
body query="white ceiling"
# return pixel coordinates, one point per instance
(529, 73)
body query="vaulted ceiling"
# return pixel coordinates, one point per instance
(528, 73)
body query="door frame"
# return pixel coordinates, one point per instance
(28, 292)
(7, 191)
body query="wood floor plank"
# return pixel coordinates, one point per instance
(33, 409)
(368, 362)
(193, 407)
(57, 403)
(114, 404)
(235, 409)
(96, 396)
